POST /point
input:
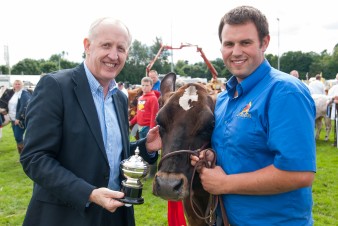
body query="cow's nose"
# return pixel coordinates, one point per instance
(169, 188)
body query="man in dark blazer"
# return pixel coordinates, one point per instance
(70, 129)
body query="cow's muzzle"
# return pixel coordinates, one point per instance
(170, 186)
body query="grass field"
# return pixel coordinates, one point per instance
(16, 188)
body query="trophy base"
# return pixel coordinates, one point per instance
(133, 201)
(132, 196)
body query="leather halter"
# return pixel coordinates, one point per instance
(209, 215)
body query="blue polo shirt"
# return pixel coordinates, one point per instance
(157, 86)
(271, 121)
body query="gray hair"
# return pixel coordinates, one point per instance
(96, 23)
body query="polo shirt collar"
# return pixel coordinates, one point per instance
(249, 82)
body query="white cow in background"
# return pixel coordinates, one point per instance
(322, 101)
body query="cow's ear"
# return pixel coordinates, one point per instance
(168, 83)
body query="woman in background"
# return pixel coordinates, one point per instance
(16, 109)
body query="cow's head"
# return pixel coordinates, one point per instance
(186, 122)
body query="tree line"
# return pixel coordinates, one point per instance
(140, 55)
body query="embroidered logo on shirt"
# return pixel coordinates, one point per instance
(245, 112)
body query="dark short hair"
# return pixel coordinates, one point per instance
(243, 15)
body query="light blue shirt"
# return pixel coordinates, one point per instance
(271, 121)
(110, 129)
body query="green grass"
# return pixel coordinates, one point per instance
(325, 187)
(16, 188)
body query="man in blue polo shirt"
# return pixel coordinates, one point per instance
(156, 81)
(264, 132)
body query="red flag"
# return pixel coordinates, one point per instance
(176, 214)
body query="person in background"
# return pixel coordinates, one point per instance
(147, 108)
(146, 111)
(17, 112)
(265, 167)
(156, 82)
(294, 73)
(121, 87)
(317, 86)
(77, 135)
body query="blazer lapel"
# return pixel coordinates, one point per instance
(85, 98)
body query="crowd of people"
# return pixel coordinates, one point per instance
(72, 142)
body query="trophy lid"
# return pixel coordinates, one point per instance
(135, 162)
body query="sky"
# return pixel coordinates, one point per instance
(37, 29)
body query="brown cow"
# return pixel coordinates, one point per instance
(186, 123)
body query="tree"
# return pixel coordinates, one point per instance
(179, 67)
(317, 65)
(221, 69)
(48, 66)
(332, 64)
(328, 63)
(273, 60)
(134, 68)
(161, 65)
(61, 63)
(3, 69)
(131, 73)
(140, 55)
(27, 67)
(297, 61)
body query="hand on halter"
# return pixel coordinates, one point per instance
(205, 156)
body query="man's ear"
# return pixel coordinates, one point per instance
(265, 43)
(86, 44)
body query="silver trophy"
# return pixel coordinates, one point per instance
(134, 169)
